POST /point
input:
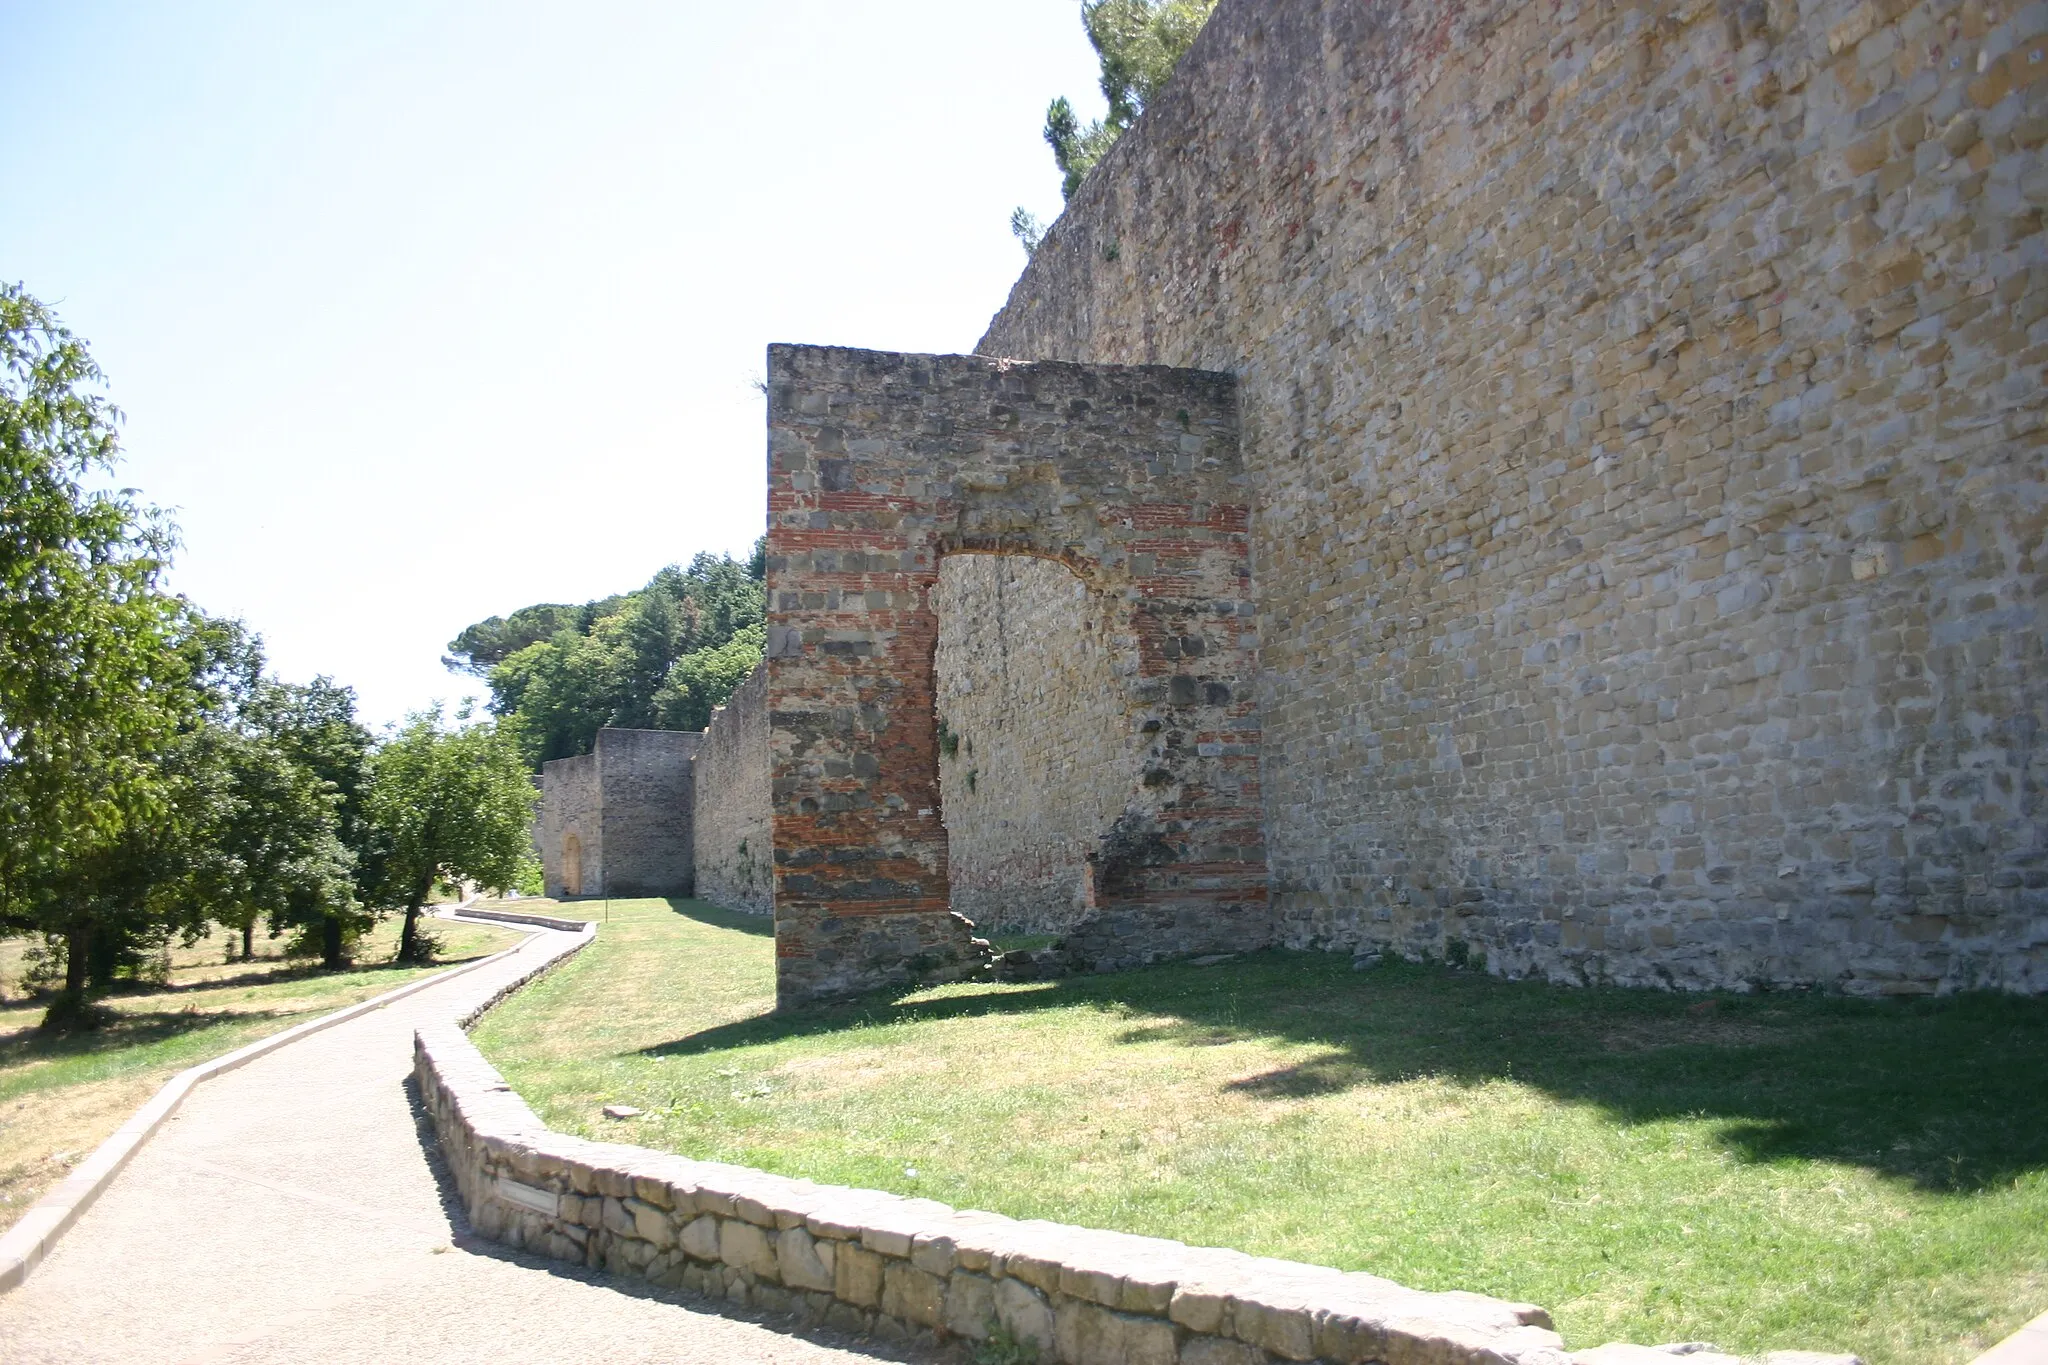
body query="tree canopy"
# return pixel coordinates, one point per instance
(455, 804)
(153, 779)
(1137, 45)
(658, 658)
(105, 678)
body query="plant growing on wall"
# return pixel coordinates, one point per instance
(1137, 43)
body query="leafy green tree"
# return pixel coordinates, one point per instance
(104, 677)
(488, 643)
(452, 804)
(272, 847)
(655, 658)
(707, 678)
(1137, 45)
(286, 823)
(314, 725)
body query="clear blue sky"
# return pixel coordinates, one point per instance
(421, 312)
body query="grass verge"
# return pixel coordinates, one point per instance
(62, 1097)
(1763, 1172)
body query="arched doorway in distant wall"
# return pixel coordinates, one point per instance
(572, 865)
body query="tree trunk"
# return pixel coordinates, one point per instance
(248, 940)
(77, 953)
(68, 1011)
(410, 933)
(330, 943)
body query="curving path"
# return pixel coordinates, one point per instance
(288, 1213)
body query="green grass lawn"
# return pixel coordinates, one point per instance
(1761, 1172)
(62, 1096)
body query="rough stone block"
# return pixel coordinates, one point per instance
(1086, 1334)
(1199, 1307)
(913, 1295)
(887, 1241)
(797, 1258)
(970, 1305)
(857, 1276)
(1287, 1330)
(746, 1246)
(651, 1224)
(1024, 1311)
(754, 1210)
(844, 1317)
(1217, 1351)
(700, 1237)
(933, 1254)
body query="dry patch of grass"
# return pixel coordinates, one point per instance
(1762, 1172)
(62, 1097)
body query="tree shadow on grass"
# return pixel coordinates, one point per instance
(276, 976)
(124, 1030)
(1950, 1095)
(282, 974)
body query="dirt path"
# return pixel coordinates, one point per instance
(289, 1213)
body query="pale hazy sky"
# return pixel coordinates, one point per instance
(421, 312)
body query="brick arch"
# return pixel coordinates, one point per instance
(879, 465)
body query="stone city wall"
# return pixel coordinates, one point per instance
(648, 793)
(570, 809)
(1643, 407)
(1037, 751)
(735, 830)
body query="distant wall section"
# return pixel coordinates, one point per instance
(617, 821)
(571, 827)
(734, 825)
(648, 793)
(1038, 752)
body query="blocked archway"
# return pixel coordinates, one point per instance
(880, 464)
(1038, 754)
(572, 865)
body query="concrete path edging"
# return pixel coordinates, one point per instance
(25, 1244)
(2028, 1346)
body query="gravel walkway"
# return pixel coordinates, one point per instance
(288, 1212)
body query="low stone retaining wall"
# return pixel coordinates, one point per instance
(900, 1268)
(521, 917)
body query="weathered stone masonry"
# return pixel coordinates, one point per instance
(1037, 753)
(617, 821)
(879, 466)
(1643, 411)
(569, 829)
(734, 830)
